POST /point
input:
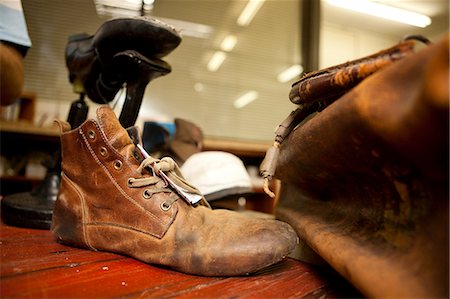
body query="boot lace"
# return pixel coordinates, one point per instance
(158, 182)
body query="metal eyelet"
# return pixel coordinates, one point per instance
(91, 134)
(117, 164)
(130, 182)
(165, 206)
(146, 194)
(103, 151)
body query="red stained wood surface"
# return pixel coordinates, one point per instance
(34, 265)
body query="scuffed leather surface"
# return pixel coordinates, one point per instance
(365, 182)
(331, 83)
(96, 209)
(105, 188)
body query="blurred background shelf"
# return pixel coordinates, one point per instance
(25, 127)
(22, 142)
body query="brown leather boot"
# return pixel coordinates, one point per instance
(110, 201)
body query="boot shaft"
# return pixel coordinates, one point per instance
(98, 162)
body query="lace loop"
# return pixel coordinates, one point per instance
(170, 168)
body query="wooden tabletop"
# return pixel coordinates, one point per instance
(34, 265)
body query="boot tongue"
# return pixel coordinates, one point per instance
(116, 135)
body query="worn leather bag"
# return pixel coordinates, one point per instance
(363, 165)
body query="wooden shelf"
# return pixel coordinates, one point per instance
(24, 127)
(237, 147)
(234, 146)
(21, 137)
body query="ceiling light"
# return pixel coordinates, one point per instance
(198, 87)
(120, 8)
(249, 12)
(228, 43)
(190, 29)
(290, 73)
(384, 11)
(216, 61)
(140, 1)
(245, 99)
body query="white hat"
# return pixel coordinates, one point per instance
(217, 174)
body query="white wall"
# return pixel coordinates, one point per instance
(337, 45)
(340, 44)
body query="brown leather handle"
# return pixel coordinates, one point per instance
(332, 82)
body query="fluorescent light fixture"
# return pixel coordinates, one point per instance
(190, 29)
(216, 61)
(384, 11)
(198, 87)
(228, 43)
(249, 12)
(120, 8)
(290, 73)
(140, 1)
(245, 99)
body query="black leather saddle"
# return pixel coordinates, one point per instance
(125, 50)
